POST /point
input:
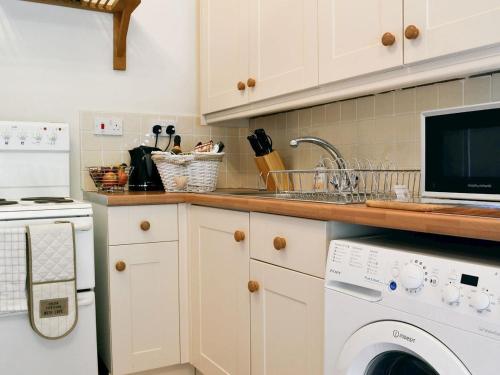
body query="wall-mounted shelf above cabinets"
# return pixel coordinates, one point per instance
(121, 10)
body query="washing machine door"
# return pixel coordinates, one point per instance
(395, 348)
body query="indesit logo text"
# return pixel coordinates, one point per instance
(402, 336)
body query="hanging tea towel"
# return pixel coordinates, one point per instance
(52, 300)
(12, 271)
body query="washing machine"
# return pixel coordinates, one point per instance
(412, 306)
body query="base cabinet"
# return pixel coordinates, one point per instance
(137, 289)
(220, 301)
(287, 322)
(144, 300)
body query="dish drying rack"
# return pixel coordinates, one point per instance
(356, 182)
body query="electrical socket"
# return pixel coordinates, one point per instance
(108, 126)
(164, 124)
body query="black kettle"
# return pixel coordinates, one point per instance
(144, 176)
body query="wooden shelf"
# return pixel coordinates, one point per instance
(121, 10)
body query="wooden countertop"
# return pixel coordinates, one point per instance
(453, 221)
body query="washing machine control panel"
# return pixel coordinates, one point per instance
(421, 282)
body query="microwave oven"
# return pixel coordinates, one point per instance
(460, 155)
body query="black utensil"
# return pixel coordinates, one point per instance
(257, 148)
(265, 141)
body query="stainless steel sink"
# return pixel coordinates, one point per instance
(296, 196)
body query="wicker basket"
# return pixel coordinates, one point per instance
(195, 172)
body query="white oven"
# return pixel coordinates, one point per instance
(34, 189)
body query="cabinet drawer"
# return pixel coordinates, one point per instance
(305, 242)
(142, 224)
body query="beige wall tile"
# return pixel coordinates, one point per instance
(318, 116)
(405, 101)
(451, 94)
(90, 142)
(348, 110)
(292, 121)
(477, 90)
(427, 97)
(365, 107)
(332, 113)
(384, 104)
(305, 118)
(495, 87)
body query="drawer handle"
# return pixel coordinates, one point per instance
(412, 32)
(253, 286)
(388, 39)
(239, 236)
(279, 243)
(120, 266)
(145, 226)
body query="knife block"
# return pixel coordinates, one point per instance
(273, 162)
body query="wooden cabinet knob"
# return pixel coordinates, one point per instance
(412, 32)
(251, 82)
(279, 243)
(145, 225)
(388, 39)
(239, 236)
(253, 286)
(120, 266)
(241, 86)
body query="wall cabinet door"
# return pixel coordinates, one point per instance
(224, 53)
(449, 26)
(350, 37)
(220, 301)
(144, 303)
(287, 321)
(283, 46)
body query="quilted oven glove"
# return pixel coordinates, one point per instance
(52, 300)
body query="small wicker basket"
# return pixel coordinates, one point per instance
(196, 172)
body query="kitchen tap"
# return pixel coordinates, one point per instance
(331, 149)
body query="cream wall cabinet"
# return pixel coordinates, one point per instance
(138, 288)
(220, 301)
(447, 26)
(359, 37)
(287, 321)
(283, 46)
(256, 49)
(359, 48)
(224, 53)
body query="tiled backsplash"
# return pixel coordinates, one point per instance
(377, 127)
(100, 150)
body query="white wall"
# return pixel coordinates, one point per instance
(57, 61)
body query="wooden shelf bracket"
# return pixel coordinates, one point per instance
(121, 10)
(121, 21)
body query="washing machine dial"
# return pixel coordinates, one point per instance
(412, 277)
(451, 294)
(480, 301)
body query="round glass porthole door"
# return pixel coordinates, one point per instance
(399, 363)
(396, 348)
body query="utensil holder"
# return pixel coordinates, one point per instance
(273, 162)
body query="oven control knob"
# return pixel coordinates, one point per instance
(37, 136)
(480, 301)
(412, 277)
(451, 294)
(52, 138)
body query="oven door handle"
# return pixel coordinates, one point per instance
(82, 227)
(78, 227)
